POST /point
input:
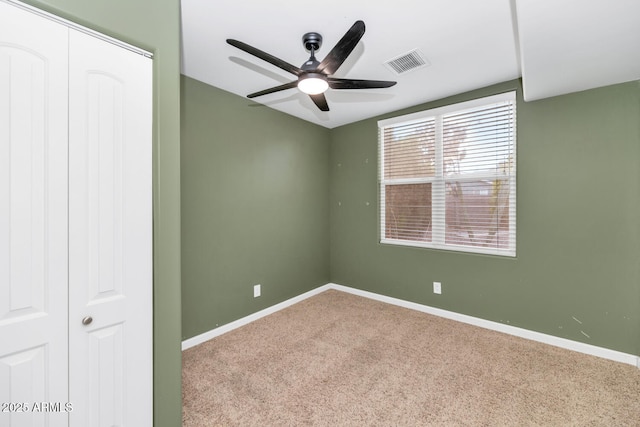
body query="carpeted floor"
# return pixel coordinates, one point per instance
(337, 359)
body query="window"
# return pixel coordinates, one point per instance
(448, 177)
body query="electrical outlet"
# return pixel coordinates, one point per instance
(256, 291)
(437, 287)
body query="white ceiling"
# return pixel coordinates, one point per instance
(557, 46)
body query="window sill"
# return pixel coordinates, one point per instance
(450, 248)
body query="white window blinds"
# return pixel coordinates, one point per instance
(448, 179)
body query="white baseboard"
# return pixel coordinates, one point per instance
(206, 336)
(593, 350)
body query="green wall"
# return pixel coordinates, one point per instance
(255, 190)
(258, 186)
(155, 27)
(576, 274)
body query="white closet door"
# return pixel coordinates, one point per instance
(110, 234)
(33, 218)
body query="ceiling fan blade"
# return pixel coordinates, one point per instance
(342, 49)
(265, 57)
(274, 89)
(335, 83)
(321, 101)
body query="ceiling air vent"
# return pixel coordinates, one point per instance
(407, 62)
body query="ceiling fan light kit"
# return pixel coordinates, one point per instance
(313, 76)
(313, 83)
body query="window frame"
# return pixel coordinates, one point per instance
(439, 180)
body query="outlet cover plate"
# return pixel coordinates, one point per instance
(437, 287)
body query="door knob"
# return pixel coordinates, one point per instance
(87, 320)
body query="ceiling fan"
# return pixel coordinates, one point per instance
(314, 77)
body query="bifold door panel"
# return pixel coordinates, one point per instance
(75, 227)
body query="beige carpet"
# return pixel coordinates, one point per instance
(341, 360)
